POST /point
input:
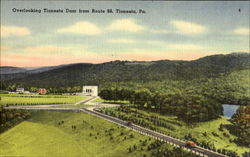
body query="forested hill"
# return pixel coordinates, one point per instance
(116, 71)
(11, 70)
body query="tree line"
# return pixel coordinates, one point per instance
(190, 108)
(52, 90)
(9, 118)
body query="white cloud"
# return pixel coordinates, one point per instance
(121, 40)
(9, 31)
(188, 28)
(125, 25)
(184, 47)
(161, 44)
(82, 28)
(242, 31)
(173, 46)
(155, 42)
(159, 31)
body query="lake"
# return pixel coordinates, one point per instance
(229, 110)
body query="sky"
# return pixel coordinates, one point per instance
(165, 30)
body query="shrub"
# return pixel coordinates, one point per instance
(131, 136)
(215, 134)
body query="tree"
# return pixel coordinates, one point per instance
(76, 89)
(241, 122)
(33, 89)
(142, 97)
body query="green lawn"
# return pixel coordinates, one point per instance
(41, 135)
(23, 99)
(110, 101)
(180, 129)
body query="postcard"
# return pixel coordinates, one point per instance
(125, 78)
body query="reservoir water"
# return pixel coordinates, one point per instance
(229, 110)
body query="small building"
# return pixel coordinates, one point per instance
(26, 92)
(41, 91)
(20, 90)
(90, 90)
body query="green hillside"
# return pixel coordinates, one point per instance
(61, 134)
(123, 71)
(227, 88)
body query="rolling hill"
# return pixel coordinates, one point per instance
(11, 70)
(122, 71)
(43, 135)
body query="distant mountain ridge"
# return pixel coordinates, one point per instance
(11, 70)
(116, 71)
(30, 70)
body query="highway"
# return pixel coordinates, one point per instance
(91, 110)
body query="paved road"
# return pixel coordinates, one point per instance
(91, 110)
(86, 100)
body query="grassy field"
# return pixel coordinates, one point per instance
(23, 99)
(42, 135)
(110, 101)
(205, 131)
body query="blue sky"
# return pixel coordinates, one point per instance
(168, 30)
